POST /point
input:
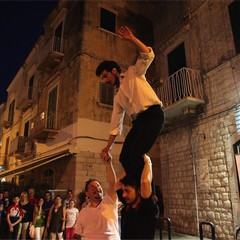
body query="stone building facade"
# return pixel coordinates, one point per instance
(199, 165)
(57, 117)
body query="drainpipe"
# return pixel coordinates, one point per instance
(195, 177)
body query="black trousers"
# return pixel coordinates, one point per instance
(140, 140)
(13, 235)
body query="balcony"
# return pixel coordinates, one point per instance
(43, 126)
(51, 54)
(3, 161)
(21, 147)
(181, 94)
(25, 98)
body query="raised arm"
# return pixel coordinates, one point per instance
(118, 184)
(105, 155)
(146, 178)
(126, 34)
(111, 178)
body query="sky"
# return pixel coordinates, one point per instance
(20, 27)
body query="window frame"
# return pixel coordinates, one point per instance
(107, 10)
(236, 150)
(54, 124)
(11, 112)
(50, 179)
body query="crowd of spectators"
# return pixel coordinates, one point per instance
(25, 216)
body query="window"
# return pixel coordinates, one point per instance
(106, 94)
(57, 44)
(236, 149)
(6, 153)
(48, 177)
(107, 20)
(52, 107)
(11, 112)
(26, 129)
(176, 61)
(30, 88)
(234, 9)
(21, 180)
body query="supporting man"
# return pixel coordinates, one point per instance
(140, 211)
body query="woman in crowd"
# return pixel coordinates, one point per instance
(71, 216)
(39, 220)
(27, 209)
(56, 219)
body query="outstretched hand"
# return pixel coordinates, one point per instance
(105, 155)
(125, 33)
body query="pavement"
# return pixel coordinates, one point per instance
(175, 236)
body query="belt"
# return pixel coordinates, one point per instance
(135, 115)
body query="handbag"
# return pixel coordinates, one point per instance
(31, 231)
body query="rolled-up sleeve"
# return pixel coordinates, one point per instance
(144, 61)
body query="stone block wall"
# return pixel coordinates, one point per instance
(199, 178)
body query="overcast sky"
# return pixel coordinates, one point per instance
(21, 25)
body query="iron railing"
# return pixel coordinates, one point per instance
(184, 83)
(42, 121)
(212, 227)
(17, 145)
(169, 227)
(22, 145)
(54, 44)
(26, 96)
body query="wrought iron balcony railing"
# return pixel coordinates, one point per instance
(181, 90)
(184, 83)
(21, 146)
(51, 53)
(43, 125)
(26, 97)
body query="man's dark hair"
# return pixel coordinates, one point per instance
(88, 182)
(48, 192)
(129, 180)
(108, 66)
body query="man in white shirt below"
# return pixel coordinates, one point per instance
(99, 219)
(136, 97)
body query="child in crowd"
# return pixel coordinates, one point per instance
(71, 216)
(14, 217)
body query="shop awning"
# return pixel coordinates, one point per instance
(35, 163)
